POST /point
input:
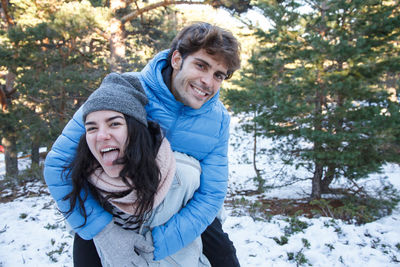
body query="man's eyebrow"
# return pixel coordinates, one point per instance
(209, 65)
(203, 61)
(223, 73)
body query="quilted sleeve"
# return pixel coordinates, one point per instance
(62, 152)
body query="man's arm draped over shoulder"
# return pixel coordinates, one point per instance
(62, 152)
(202, 209)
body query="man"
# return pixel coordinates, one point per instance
(182, 85)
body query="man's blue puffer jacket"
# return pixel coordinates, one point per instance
(201, 133)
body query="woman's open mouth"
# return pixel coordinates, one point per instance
(109, 155)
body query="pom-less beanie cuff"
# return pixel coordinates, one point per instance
(130, 108)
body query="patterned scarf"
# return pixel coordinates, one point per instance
(166, 162)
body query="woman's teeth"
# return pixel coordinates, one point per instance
(107, 149)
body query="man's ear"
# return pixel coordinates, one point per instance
(176, 60)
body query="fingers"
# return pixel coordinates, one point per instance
(145, 243)
(144, 246)
(138, 260)
(149, 257)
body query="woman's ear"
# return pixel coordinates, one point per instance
(176, 60)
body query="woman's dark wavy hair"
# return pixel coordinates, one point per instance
(213, 39)
(140, 171)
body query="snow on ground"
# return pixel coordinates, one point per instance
(32, 232)
(325, 242)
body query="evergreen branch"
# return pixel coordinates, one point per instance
(37, 100)
(102, 33)
(137, 8)
(145, 9)
(359, 190)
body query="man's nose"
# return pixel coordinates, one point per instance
(207, 79)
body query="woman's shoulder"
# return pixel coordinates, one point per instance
(183, 159)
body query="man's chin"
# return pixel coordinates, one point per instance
(196, 104)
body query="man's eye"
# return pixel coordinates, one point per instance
(220, 77)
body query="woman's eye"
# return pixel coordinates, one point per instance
(113, 124)
(201, 66)
(89, 129)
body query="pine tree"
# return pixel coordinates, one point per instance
(327, 103)
(56, 59)
(54, 53)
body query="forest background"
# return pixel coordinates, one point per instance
(319, 77)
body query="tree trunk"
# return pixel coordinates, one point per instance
(117, 45)
(10, 155)
(35, 157)
(316, 181)
(117, 37)
(319, 167)
(260, 181)
(9, 140)
(318, 148)
(7, 18)
(330, 174)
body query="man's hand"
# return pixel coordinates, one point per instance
(118, 247)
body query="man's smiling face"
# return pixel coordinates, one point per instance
(197, 78)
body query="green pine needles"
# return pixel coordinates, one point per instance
(323, 84)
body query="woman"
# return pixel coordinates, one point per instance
(132, 172)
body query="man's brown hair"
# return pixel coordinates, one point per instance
(213, 39)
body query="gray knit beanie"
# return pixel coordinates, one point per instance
(119, 92)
